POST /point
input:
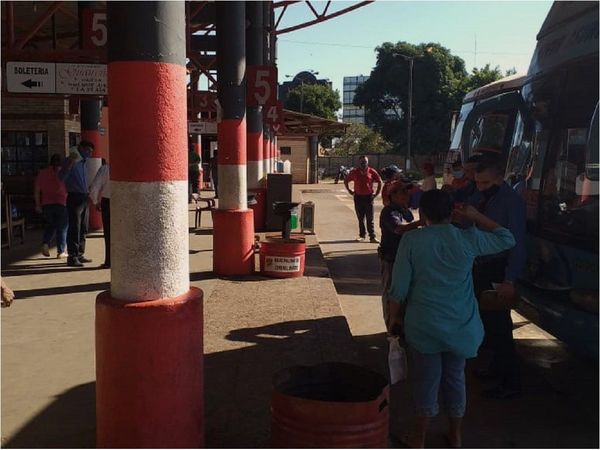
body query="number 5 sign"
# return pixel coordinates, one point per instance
(261, 85)
(94, 29)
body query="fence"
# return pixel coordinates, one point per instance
(330, 165)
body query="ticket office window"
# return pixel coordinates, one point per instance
(24, 153)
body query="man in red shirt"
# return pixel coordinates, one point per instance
(50, 200)
(363, 178)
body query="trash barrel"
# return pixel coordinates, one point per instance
(281, 257)
(330, 405)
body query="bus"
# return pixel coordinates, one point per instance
(485, 121)
(551, 152)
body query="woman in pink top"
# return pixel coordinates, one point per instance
(50, 201)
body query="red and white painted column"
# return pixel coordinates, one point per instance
(233, 222)
(256, 175)
(149, 351)
(90, 115)
(90, 131)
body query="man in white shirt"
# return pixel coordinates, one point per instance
(100, 195)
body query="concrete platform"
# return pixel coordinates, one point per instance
(253, 326)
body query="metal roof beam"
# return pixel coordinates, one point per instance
(322, 18)
(39, 23)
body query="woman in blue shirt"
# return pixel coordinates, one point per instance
(442, 327)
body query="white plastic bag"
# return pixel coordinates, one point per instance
(396, 360)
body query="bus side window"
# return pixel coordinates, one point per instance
(569, 201)
(520, 161)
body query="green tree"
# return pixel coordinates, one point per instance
(360, 139)
(315, 99)
(439, 83)
(483, 76)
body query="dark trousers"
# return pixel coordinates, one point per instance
(363, 205)
(498, 326)
(77, 208)
(105, 206)
(57, 222)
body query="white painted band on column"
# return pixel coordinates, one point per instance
(255, 174)
(150, 243)
(265, 164)
(232, 187)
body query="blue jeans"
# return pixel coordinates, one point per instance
(58, 220)
(435, 374)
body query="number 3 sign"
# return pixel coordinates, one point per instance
(94, 29)
(261, 85)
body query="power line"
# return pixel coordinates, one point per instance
(333, 44)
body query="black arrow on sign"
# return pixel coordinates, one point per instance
(30, 83)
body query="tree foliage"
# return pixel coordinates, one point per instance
(316, 99)
(360, 139)
(440, 81)
(483, 76)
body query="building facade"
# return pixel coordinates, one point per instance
(352, 113)
(301, 78)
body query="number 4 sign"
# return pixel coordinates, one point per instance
(274, 117)
(261, 85)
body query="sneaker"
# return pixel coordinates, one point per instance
(74, 262)
(62, 255)
(83, 259)
(45, 250)
(374, 240)
(360, 239)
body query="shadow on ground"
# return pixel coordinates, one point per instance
(559, 408)
(238, 389)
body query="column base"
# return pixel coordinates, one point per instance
(233, 242)
(149, 372)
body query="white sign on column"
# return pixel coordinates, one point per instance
(30, 77)
(83, 79)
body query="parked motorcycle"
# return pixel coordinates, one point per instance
(342, 174)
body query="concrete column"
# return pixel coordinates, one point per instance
(149, 389)
(256, 181)
(266, 11)
(313, 144)
(90, 115)
(266, 150)
(233, 232)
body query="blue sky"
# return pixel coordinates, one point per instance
(503, 32)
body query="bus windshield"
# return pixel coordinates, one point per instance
(458, 130)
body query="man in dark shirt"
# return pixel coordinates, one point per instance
(499, 272)
(74, 175)
(363, 178)
(395, 220)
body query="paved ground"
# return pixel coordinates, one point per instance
(253, 327)
(560, 405)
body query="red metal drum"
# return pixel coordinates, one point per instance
(259, 208)
(331, 405)
(282, 258)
